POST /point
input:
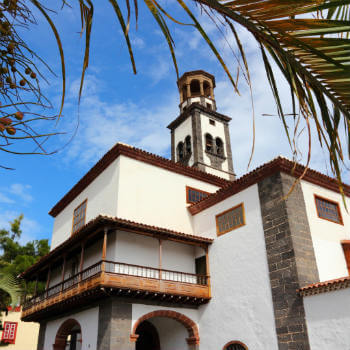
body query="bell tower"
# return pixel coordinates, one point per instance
(200, 135)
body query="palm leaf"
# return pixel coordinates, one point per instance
(10, 285)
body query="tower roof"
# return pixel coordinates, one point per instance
(196, 72)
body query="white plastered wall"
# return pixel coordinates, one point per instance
(155, 196)
(102, 198)
(180, 133)
(241, 306)
(88, 320)
(326, 235)
(328, 320)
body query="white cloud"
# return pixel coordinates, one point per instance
(21, 191)
(5, 199)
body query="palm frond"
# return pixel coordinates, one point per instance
(10, 285)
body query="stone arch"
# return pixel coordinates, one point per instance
(208, 143)
(219, 146)
(206, 88)
(188, 145)
(195, 87)
(63, 332)
(192, 329)
(231, 345)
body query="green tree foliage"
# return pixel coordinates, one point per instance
(16, 258)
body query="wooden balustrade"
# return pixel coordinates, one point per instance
(121, 275)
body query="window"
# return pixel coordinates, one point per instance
(9, 332)
(209, 106)
(328, 210)
(235, 345)
(230, 219)
(212, 122)
(219, 146)
(208, 143)
(194, 195)
(180, 151)
(188, 146)
(79, 216)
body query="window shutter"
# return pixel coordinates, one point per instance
(9, 332)
(346, 248)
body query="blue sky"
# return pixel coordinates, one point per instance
(135, 109)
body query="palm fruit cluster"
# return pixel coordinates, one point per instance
(9, 122)
(14, 71)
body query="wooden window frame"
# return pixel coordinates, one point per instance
(8, 340)
(194, 189)
(226, 211)
(316, 196)
(84, 201)
(346, 250)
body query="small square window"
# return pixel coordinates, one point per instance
(328, 210)
(9, 332)
(193, 195)
(230, 219)
(79, 216)
(212, 122)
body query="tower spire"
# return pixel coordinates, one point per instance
(200, 135)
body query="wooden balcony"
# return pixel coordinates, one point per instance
(125, 280)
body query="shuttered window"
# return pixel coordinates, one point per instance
(235, 346)
(194, 195)
(230, 219)
(79, 216)
(328, 210)
(9, 332)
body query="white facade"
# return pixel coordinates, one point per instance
(328, 320)
(327, 235)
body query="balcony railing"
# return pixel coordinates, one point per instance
(121, 275)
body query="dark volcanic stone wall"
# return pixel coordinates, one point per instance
(290, 256)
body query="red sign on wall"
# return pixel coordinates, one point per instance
(9, 332)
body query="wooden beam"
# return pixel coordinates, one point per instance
(81, 260)
(207, 269)
(160, 258)
(48, 280)
(104, 246)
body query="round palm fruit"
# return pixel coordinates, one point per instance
(19, 115)
(11, 47)
(28, 70)
(8, 80)
(32, 75)
(1, 84)
(12, 86)
(22, 82)
(12, 62)
(10, 130)
(2, 127)
(13, 69)
(5, 121)
(4, 70)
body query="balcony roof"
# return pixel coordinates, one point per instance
(95, 226)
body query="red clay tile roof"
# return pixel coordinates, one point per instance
(93, 227)
(278, 164)
(326, 286)
(138, 154)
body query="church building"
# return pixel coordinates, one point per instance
(156, 254)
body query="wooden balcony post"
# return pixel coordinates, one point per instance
(63, 271)
(207, 268)
(36, 285)
(48, 280)
(104, 248)
(160, 258)
(81, 260)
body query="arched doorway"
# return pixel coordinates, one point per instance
(172, 328)
(68, 336)
(148, 338)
